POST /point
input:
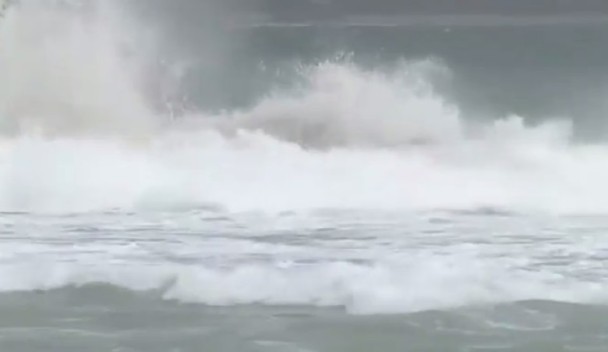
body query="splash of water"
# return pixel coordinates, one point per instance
(64, 71)
(72, 103)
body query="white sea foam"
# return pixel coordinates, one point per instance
(383, 287)
(80, 135)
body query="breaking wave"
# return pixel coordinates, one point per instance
(384, 287)
(80, 133)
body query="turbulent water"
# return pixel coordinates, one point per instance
(172, 182)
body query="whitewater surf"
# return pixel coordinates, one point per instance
(178, 176)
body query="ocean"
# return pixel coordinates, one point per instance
(177, 179)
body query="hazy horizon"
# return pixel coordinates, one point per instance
(322, 9)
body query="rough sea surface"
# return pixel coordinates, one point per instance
(176, 181)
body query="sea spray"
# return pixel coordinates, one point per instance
(81, 134)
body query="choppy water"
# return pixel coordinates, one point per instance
(169, 182)
(322, 281)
